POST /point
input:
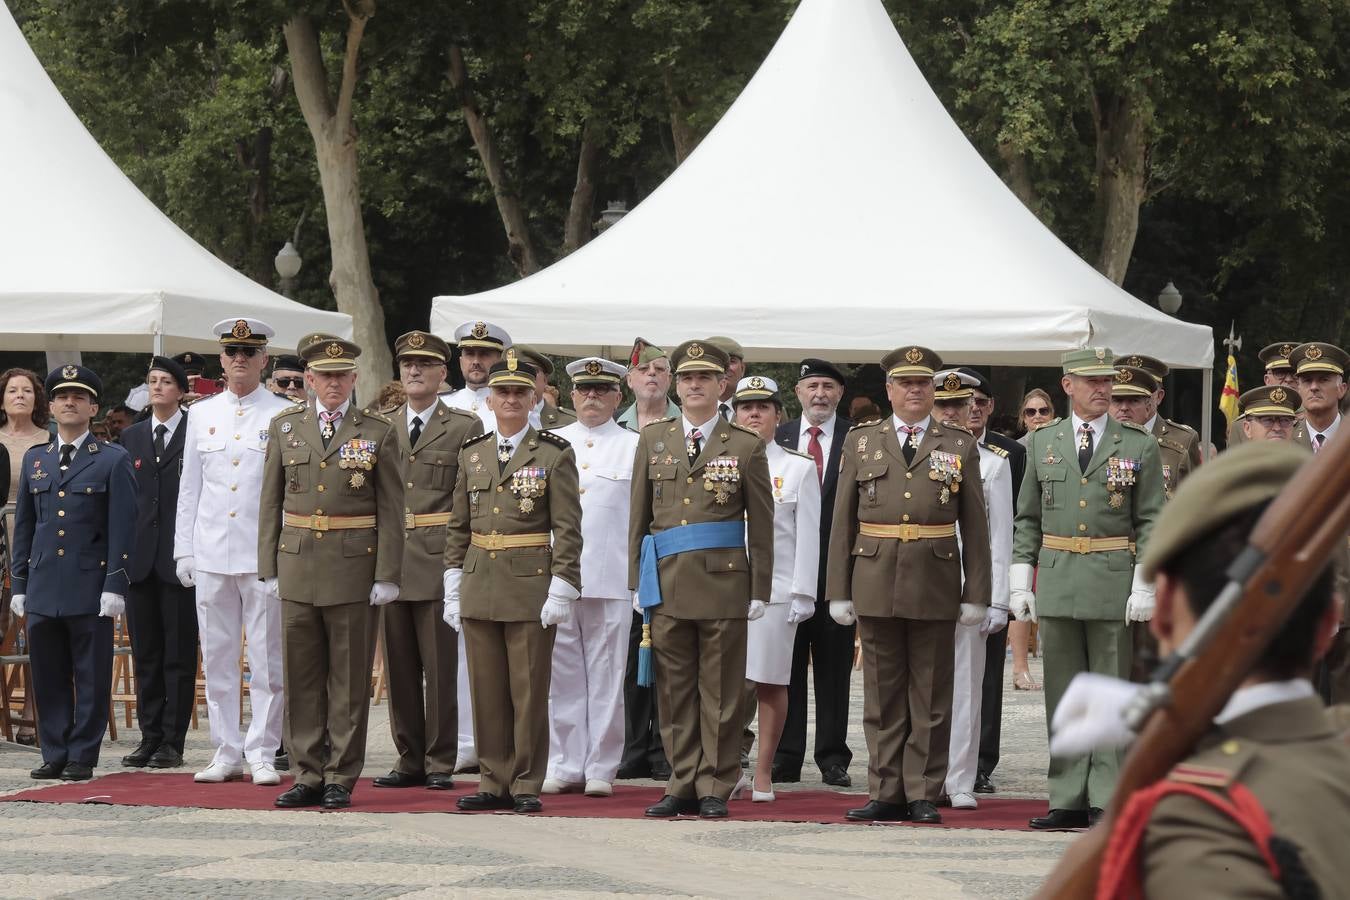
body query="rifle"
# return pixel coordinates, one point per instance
(1287, 550)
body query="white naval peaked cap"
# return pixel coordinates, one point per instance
(756, 387)
(482, 334)
(243, 331)
(953, 384)
(595, 370)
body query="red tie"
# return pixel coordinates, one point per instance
(817, 453)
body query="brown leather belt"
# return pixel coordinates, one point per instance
(510, 541)
(425, 520)
(327, 523)
(906, 532)
(1086, 544)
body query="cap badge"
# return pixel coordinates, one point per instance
(70, 372)
(241, 330)
(1278, 395)
(510, 358)
(1313, 352)
(480, 330)
(1286, 349)
(1133, 361)
(952, 382)
(417, 342)
(333, 350)
(1101, 354)
(757, 383)
(913, 355)
(695, 351)
(593, 368)
(1124, 376)
(805, 367)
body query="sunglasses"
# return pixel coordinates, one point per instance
(289, 382)
(1036, 411)
(246, 352)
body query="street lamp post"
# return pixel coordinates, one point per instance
(288, 264)
(614, 211)
(1169, 301)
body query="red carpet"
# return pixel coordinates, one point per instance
(179, 790)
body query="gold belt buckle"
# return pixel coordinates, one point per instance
(492, 542)
(318, 523)
(909, 533)
(1082, 545)
(409, 520)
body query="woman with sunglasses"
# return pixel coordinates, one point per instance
(1036, 410)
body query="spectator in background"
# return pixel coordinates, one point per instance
(288, 378)
(119, 417)
(863, 410)
(649, 380)
(1036, 410)
(391, 397)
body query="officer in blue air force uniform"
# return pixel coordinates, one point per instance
(74, 527)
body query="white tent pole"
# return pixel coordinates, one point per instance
(159, 343)
(1206, 412)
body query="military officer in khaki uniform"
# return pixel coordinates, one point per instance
(1164, 429)
(512, 565)
(418, 645)
(1279, 372)
(1268, 413)
(1320, 368)
(1091, 493)
(545, 414)
(330, 547)
(905, 483)
(701, 499)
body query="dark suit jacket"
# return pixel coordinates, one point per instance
(787, 436)
(1017, 457)
(157, 498)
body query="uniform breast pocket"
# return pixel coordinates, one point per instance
(609, 487)
(437, 470)
(1053, 487)
(869, 482)
(93, 507)
(213, 455)
(785, 499)
(296, 465)
(41, 491)
(726, 561)
(479, 488)
(531, 563)
(662, 480)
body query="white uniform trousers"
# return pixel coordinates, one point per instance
(967, 689)
(586, 695)
(230, 607)
(467, 755)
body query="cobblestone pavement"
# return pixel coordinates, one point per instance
(51, 850)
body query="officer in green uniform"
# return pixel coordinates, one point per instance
(1321, 371)
(1090, 495)
(1174, 433)
(544, 415)
(1131, 401)
(1279, 372)
(330, 548)
(512, 564)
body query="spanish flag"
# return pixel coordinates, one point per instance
(1228, 402)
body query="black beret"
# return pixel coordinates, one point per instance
(164, 364)
(819, 368)
(192, 363)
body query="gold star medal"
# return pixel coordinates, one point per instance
(357, 480)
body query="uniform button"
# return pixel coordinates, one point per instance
(539, 571)
(370, 549)
(590, 443)
(318, 535)
(1084, 481)
(1230, 747)
(905, 517)
(585, 465)
(283, 546)
(1082, 527)
(908, 495)
(238, 412)
(318, 512)
(1082, 504)
(684, 521)
(236, 437)
(60, 493)
(492, 555)
(412, 457)
(234, 462)
(581, 490)
(61, 533)
(323, 465)
(689, 481)
(231, 514)
(499, 488)
(61, 552)
(410, 484)
(234, 487)
(687, 501)
(61, 513)
(909, 474)
(731, 565)
(320, 489)
(496, 511)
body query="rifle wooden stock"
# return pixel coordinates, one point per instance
(1294, 538)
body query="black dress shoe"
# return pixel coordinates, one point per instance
(1060, 820)
(923, 812)
(783, 775)
(299, 795)
(165, 757)
(527, 803)
(712, 808)
(397, 779)
(47, 771)
(661, 770)
(672, 806)
(878, 811)
(1094, 816)
(983, 785)
(632, 770)
(484, 801)
(335, 796)
(141, 755)
(836, 775)
(77, 772)
(440, 781)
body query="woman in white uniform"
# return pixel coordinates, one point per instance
(796, 555)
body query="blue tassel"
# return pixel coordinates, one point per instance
(645, 675)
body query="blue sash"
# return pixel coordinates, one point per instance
(699, 536)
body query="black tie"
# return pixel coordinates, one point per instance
(1084, 447)
(160, 431)
(724, 410)
(416, 431)
(67, 451)
(694, 445)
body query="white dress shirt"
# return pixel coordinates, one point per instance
(170, 425)
(425, 415)
(514, 440)
(473, 400)
(223, 451)
(605, 474)
(796, 524)
(707, 429)
(996, 474)
(1255, 696)
(1327, 434)
(826, 438)
(1098, 426)
(923, 425)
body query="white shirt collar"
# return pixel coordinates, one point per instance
(1330, 429)
(706, 428)
(826, 428)
(923, 425)
(1098, 426)
(1148, 426)
(170, 423)
(250, 398)
(515, 439)
(78, 442)
(605, 427)
(1253, 697)
(425, 415)
(342, 408)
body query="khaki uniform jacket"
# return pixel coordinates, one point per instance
(429, 472)
(919, 579)
(1303, 432)
(1057, 499)
(511, 585)
(330, 567)
(1290, 756)
(1174, 451)
(669, 492)
(1184, 435)
(551, 417)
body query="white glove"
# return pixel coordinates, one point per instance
(637, 604)
(555, 612)
(971, 614)
(273, 586)
(756, 610)
(450, 615)
(109, 605)
(186, 568)
(1021, 601)
(450, 580)
(1091, 715)
(16, 604)
(842, 612)
(995, 620)
(382, 592)
(1139, 608)
(803, 608)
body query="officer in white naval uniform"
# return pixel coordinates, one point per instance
(481, 345)
(216, 548)
(952, 397)
(590, 652)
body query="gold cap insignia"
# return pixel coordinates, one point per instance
(1124, 376)
(1101, 354)
(70, 372)
(913, 355)
(593, 368)
(241, 330)
(952, 382)
(1278, 395)
(757, 383)
(1286, 349)
(417, 342)
(1135, 361)
(333, 350)
(695, 351)
(511, 363)
(480, 330)
(1313, 352)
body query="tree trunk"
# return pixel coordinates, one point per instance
(335, 146)
(519, 246)
(577, 228)
(1123, 126)
(1017, 176)
(255, 158)
(685, 136)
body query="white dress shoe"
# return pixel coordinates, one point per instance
(218, 772)
(597, 788)
(558, 786)
(758, 796)
(964, 800)
(265, 773)
(741, 784)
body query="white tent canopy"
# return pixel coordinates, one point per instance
(86, 261)
(835, 211)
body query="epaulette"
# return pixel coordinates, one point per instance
(657, 422)
(741, 427)
(1216, 766)
(1338, 717)
(996, 450)
(459, 412)
(1181, 426)
(293, 408)
(375, 414)
(858, 425)
(554, 439)
(478, 437)
(799, 453)
(1055, 421)
(1136, 426)
(960, 428)
(1172, 445)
